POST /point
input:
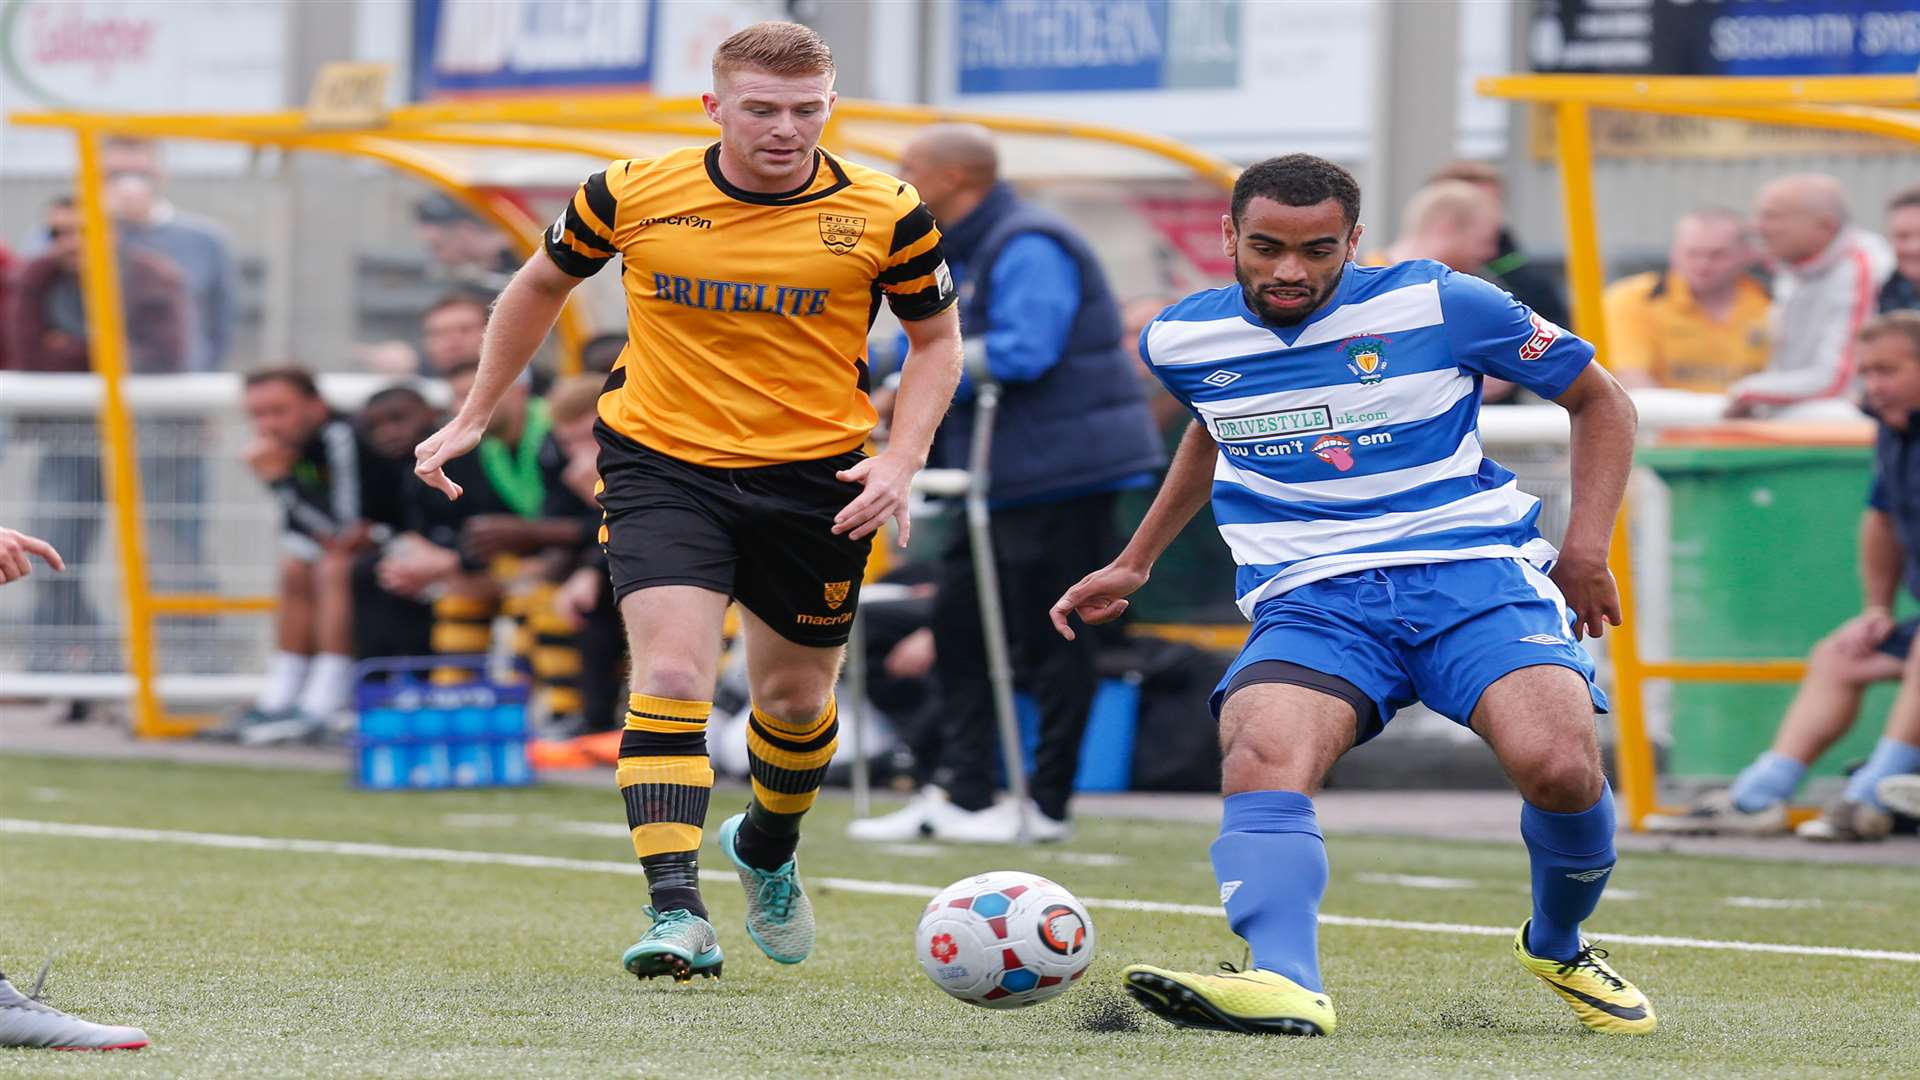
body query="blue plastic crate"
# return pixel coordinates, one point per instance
(415, 736)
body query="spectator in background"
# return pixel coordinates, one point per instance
(145, 219)
(1700, 324)
(337, 493)
(48, 321)
(464, 247)
(1510, 267)
(1872, 647)
(393, 422)
(1902, 290)
(1451, 222)
(451, 332)
(47, 327)
(1073, 431)
(1827, 275)
(1455, 223)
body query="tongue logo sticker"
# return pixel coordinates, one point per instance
(1335, 450)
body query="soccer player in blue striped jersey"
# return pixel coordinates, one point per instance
(1383, 559)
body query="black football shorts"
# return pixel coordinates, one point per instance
(760, 535)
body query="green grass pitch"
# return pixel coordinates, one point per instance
(244, 962)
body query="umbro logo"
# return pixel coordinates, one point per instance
(1590, 876)
(1227, 889)
(1542, 639)
(1221, 378)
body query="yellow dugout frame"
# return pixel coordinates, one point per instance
(1885, 105)
(597, 125)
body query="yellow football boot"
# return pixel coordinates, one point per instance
(1250, 1002)
(1597, 994)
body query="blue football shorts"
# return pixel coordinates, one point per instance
(1440, 633)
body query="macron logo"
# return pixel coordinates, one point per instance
(1221, 378)
(1227, 889)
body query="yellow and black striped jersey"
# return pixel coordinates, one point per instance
(747, 314)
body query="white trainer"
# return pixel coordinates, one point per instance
(914, 821)
(1000, 824)
(26, 1020)
(1716, 815)
(1900, 794)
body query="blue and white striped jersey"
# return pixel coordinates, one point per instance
(1350, 441)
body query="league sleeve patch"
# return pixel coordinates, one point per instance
(1544, 335)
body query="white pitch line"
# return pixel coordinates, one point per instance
(854, 885)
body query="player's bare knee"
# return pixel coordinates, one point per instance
(791, 701)
(1565, 778)
(679, 678)
(296, 575)
(1829, 662)
(1249, 763)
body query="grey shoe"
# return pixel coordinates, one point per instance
(28, 1021)
(286, 730)
(1900, 794)
(1847, 822)
(779, 915)
(1716, 815)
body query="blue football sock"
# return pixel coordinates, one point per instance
(1770, 779)
(1572, 857)
(1891, 757)
(1272, 868)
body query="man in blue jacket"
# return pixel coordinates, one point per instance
(1072, 432)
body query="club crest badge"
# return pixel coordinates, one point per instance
(841, 233)
(1367, 358)
(836, 594)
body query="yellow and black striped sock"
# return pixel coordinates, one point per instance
(666, 780)
(788, 763)
(462, 625)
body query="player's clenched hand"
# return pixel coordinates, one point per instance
(1099, 597)
(888, 481)
(430, 457)
(1588, 586)
(16, 547)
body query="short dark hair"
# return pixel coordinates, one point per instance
(1903, 199)
(601, 352)
(297, 377)
(1298, 180)
(1904, 323)
(398, 392)
(462, 298)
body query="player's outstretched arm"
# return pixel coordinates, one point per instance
(16, 548)
(1604, 421)
(522, 317)
(927, 378)
(1101, 596)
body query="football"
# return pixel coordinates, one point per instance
(1004, 940)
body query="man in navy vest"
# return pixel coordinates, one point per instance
(1072, 432)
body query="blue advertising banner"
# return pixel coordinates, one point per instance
(1727, 37)
(1028, 46)
(503, 46)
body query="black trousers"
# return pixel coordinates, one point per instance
(1040, 551)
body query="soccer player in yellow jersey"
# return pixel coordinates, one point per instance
(730, 460)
